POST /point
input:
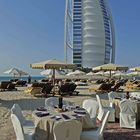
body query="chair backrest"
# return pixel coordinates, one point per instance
(91, 106)
(54, 101)
(64, 88)
(51, 101)
(105, 86)
(46, 89)
(17, 127)
(17, 111)
(4, 84)
(112, 95)
(11, 86)
(101, 110)
(128, 107)
(104, 122)
(67, 130)
(72, 87)
(117, 85)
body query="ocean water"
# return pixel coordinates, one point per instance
(33, 78)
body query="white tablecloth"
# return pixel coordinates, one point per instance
(44, 125)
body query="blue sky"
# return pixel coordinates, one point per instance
(33, 30)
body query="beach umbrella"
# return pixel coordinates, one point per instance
(76, 73)
(119, 74)
(52, 64)
(134, 73)
(110, 67)
(90, 73)
(16, 72)
(49, 72)
(102, 73)
(135, 69)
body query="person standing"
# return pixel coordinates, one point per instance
(29, 79)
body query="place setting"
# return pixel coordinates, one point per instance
(42, 112)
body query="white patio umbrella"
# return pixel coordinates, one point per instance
(90, 73)
(49, 73)
(110, 67)
(134, 73)
(16, 72)
(102, 73)
(119, 74)
(76, 73)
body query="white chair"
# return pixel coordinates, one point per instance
(67, 130)
(20, 135)
(102, 109)
(127, 114)
(112, 95)
(92, 108)
(28, 125)
(96, 134)
(54, 101)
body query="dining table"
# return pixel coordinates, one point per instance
(46, 119)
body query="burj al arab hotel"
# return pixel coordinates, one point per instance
(89, 37)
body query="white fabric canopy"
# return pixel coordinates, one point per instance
(119, 74)
(49, 72)
(90, 74)
(76, 73)
(134, 73)
(16, 72)
(102, 73)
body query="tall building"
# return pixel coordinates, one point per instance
(89, 33)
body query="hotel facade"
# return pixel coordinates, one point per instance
(89, 37)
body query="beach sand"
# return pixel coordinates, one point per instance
(28, 103)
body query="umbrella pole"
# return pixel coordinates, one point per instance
(110, 73)
(53, 78)
(14, 76)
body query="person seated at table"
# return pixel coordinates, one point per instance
(127, 95)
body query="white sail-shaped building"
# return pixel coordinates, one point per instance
(89, 33)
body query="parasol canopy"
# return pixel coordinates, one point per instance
(52, 64)
(49, 72)
(135, 69)
(76, 73)
(110, 67)
(16, 72)
(119, 74)
(90, 73)
(134, 73)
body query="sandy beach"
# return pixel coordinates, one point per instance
(29, 103)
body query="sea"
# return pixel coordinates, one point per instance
(33, 78)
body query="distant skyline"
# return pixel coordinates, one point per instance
(33, 30)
